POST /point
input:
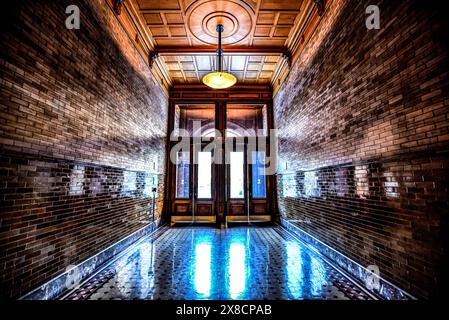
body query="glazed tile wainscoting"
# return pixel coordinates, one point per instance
(363, 140)
(83, 123)
(74, 275)
(61, 212)
(381, 213)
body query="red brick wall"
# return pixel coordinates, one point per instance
(363, 120)
(82, 127)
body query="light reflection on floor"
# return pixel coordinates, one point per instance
(209, 263)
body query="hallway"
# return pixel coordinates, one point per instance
(195, 263)
(224, 150)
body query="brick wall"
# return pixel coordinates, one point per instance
(363, 121)
(82, 127)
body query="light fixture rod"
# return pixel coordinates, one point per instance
(220, 29)
(219, 79)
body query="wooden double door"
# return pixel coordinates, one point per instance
(227, 184)
(218, 167)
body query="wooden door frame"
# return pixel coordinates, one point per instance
(198, 94)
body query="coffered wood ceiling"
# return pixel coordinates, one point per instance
(260, 36)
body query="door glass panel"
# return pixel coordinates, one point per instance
(258, 174)
(245, 120)
(194, 120)
(204, 175)
(182, 174)
(236, 175)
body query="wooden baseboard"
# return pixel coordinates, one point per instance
(190, 219)
(251, 218)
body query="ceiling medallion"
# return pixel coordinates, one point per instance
(236, 17)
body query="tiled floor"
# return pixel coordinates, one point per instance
(209, 263)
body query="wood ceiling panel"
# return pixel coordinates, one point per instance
(159, 31)
(280, 5)
(173, 66)
(174, 18)
(177, 31)
(251, 74)
(273, 26)
(204, 63)
(181, 24)
(189, 69)
(287, 18)
(238, 63)
(268, 66)
(266, 18)
(266, 75)
(253, 66)
(272, 59)
(255, 59)
(158, 4)
(177, 74)
(269, 41)
(185, 59)
(153, 18)
(281, 32)
(170, 59)
(171, 41)
(262, 31)
(190, 74)
(188, 66)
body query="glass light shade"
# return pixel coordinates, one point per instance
(219, 80)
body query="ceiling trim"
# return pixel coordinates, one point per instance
(266, 60)
(231, 50)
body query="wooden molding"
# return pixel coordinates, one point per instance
(228, 50)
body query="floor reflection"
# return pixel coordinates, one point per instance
(208, 263)
(294, 266)
(203, 274)
(237, 270)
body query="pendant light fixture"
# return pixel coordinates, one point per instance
(219, 79)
